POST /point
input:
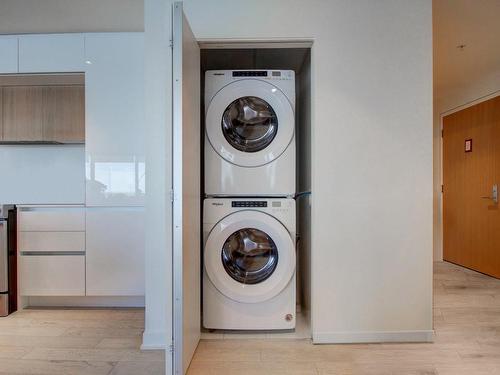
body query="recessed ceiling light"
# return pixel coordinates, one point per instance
(461, 47)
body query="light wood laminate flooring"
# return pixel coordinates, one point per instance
(107, 341)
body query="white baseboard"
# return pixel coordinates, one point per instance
(372, 337)
(152, 340)
(84, 301)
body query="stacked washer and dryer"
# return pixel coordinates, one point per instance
(249, 217)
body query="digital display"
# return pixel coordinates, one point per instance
(276, 74)
(245, 73)
(248, 204)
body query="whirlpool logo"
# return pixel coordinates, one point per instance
(217, 204)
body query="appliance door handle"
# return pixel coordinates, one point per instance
(494, 194)
(4, 257)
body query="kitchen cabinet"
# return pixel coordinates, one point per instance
(57, 241)
(114, 111)
(8, 53)
(51, 218)
(52, 275)
(115, 251)
(51, 248)
(43, 114)
(22, 113)
(64, 119)
(51, 53)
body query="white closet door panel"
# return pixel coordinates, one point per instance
(8, 54)
(52, 275)
(115, 251)
(51, 241)
(186, 207)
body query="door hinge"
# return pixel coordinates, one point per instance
(171, 43)
(442, 188)
(442, 133)
(172, 195)
(171, 348)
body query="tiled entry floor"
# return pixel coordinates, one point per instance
(74, 342)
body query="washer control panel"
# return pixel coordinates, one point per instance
(249, 204)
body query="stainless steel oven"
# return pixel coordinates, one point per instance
(7, 290)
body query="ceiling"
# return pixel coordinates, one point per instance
(475, 24)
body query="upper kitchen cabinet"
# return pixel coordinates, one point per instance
(64, 114)
(42, 109)
(8, 53)
(51, 53)
(114, 111)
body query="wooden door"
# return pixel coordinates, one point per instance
(471, 219)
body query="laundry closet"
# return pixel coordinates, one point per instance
(255, 188)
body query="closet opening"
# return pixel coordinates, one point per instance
(249, 257)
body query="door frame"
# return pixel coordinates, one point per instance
(442, 115)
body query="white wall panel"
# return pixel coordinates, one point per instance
(51, 53)
(371, 155)
(8, 53)
(42, 174)
(114, 119)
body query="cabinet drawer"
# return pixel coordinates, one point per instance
(51, 241)
(52, 219)
(52, 275)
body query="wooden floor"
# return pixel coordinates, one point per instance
(467, 324)
(467, 342)
(76, 342)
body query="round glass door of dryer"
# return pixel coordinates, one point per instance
(250, 123)
(249, 256)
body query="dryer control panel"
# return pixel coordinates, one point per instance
(268, 74)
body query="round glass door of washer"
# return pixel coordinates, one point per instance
(249, 256)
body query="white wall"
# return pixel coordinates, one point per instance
(42, 174)
(371, 158)
(64, 16)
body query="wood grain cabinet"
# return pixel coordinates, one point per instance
(43, 114)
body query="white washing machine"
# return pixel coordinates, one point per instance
(249, 264)
(250, 133)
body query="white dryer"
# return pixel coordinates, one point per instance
(250, 133)
(249, 264)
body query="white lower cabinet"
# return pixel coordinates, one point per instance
(52, 275)
(115, 251)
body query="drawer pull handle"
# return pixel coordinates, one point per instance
(51, 253)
